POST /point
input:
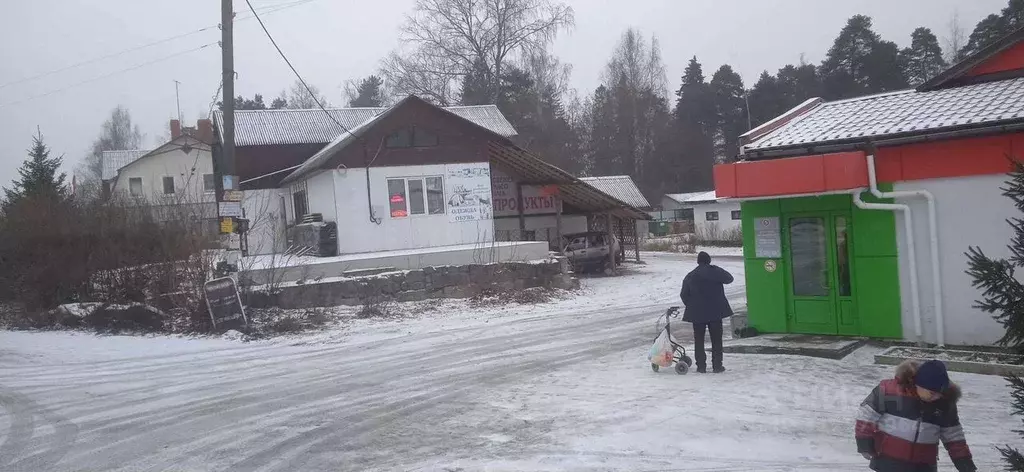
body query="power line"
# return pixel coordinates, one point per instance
(270, 9)
(303, 81)
(104, 76)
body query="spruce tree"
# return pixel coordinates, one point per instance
(1003, 297)
(369, 93)
(39, 177)
(730, 103)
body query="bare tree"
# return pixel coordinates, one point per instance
(955, 39)
(445, 39)
(118, 133)
(638, 64)
(298, 98)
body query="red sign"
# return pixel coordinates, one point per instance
(396, 198)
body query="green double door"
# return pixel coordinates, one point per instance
(818, 255)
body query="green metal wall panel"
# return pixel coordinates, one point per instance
(766, 291)
(875, 309)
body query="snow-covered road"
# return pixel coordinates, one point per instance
(559, 386)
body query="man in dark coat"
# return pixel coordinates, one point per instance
(703, 294)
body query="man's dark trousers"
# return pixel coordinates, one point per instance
(715, 328)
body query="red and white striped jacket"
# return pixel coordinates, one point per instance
(903, 432)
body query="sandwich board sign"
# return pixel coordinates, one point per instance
(225, 304)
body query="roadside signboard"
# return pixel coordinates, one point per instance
(227, 225)
(225, 304)
(230, 182)
(233, 195)
(229, 209)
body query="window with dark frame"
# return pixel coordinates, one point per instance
(168, 185)
(301, 204)
(711, 216)
(135, 186)
(209, 183)
(417, 204)
(411, 136)
(736, 215)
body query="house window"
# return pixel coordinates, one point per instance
(735, 215)
(135, 186)
(168, 185)
(301, 204)
(684, 214)
(416, 196)
(209, 183)
(435, 195)
(411, 137)
(711, 216)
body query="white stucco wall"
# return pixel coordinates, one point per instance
(340, 195)
(169, 161)
(725, 222)
(543, 224)
(971, 212)
(265, 211)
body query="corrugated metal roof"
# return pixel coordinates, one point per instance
(113, 161)
(621, 187)
(694, 197)
(573, 191)
(272, 127)
(900, 114)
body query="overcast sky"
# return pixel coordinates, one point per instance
(330, 41)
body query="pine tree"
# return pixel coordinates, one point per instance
(1003, 297)
(695, 117)
(923, 59)
(39, 177)
(369, 93)
(988, 31)
(730, 105)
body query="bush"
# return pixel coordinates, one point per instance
(116, 319)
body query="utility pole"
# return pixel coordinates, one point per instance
(177, 98)
(228, 64)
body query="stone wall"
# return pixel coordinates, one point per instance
(421, 284)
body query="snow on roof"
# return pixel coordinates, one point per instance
(113, 161)
(900, 113)
(694, 197)
(621, 187)
(273, 127)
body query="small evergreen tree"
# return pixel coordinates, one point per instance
(368, 93)
(39, 176)
(1003, 297)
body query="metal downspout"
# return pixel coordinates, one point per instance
(933, 235)
(908, 223)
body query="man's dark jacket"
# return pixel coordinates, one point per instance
(703, 294)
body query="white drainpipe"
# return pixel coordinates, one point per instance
(933, 246)
(908, 224)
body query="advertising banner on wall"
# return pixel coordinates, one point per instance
(468, 192)
(536, 201)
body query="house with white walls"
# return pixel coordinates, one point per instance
(175, 177)
(857, 213)
(712, 218)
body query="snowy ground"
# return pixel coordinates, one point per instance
(559, 386)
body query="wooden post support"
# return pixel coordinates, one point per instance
(611, 235)
(519, 207)
(558, 225)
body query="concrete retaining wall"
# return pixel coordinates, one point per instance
(421, 284)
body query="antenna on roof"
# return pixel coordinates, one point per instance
(177, 98)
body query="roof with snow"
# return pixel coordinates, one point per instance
(694, 197)
(113, 161)
(899, 114)
(620, 187)
(275, 127)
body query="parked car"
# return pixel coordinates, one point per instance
(589, 251)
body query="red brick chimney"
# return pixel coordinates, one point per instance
(205, 131)
(175, 129)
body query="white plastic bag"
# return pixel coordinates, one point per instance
(661, 352)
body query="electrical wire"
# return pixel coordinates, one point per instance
(104, 76)
(297, 75)
(270, 9)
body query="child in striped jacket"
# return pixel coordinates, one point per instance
(903, 420)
